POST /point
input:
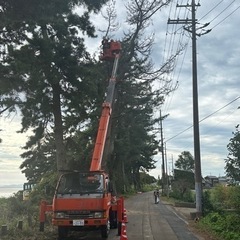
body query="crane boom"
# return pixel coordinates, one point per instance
(112, 52)
(86, 200)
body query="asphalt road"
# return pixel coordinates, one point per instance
(150, 221)
(146, 221)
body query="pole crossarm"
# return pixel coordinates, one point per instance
(188, 5)
(179, 21)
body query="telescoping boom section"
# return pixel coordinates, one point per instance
(111, 51)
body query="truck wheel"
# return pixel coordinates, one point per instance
(105, 229)
(62, 233)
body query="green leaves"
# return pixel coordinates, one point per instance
(59, 89)
(233, 160)
(45, 63)
(185, 161)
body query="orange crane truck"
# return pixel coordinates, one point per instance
(85, 200)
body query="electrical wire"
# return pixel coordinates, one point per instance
(220, 13)
(210, 10)
(174, 48)
(226, 17)
(223, 11)
(204, 118)
(171, 45)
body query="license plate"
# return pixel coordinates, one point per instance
(79, 222)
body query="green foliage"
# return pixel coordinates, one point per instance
(182, 184)
(149, 187)
(207, 203)
(146, 178)
(233, 160)
(42, 66)
(185, 161)
(13, 210)
(40, 160)
(234, 197)
(219, 197)
(221, 211)
(188, 176)
(50, 76)
(225, 225)
(184, 196)
(45, 189)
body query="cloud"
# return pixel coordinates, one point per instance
(10, 159)
(218, 86)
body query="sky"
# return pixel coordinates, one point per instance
(218, 55)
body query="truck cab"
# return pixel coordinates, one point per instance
(83, 200)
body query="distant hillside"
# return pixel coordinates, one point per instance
(12, 186)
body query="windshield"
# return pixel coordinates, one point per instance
(81, 183)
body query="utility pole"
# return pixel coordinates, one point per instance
(162, 150)
(197, 156)
(166, 175)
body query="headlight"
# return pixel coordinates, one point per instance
(60, 215)
(98, 215)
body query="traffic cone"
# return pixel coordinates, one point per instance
(123, 232)
(125, 220)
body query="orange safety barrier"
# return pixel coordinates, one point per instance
(125, 220)
(123, 232)
(120, 209)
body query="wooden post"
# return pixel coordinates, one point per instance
(20, 225)
(4, 230)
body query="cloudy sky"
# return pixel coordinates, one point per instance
(218, 54)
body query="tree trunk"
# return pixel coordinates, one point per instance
(58, 130)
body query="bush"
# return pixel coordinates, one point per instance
(177, 194)
(220, 197)
(225, 225)
(234, 197)
(207, 204)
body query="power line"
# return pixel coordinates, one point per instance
(220, 13)
(210, 10)
(223, 11)
(226, 17)
(174, 48)
(204, 118)
(219, 109)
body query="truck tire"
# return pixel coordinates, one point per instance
(105, 229)
(62, 233)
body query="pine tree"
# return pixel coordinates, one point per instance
(47, 66)
(133, 144)
(185, 161)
